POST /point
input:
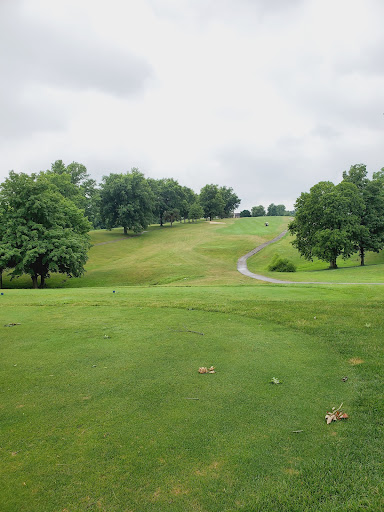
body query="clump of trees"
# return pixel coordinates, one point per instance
(218, 201)
(45, 218)
(339, 220)
(273, 210)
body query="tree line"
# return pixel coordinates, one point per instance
(273, 210)
(45, 217)
(340, 220)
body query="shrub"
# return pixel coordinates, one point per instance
(281, 265)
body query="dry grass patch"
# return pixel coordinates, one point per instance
(355, 360)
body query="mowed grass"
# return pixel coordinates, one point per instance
(102, 406)
(96, 408)
(348, 271)
(200, 253)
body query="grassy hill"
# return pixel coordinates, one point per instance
(103, 409)
(191, 253)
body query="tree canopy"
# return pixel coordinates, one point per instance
(327, 220)
(126, 200)
(258, 211)
(370, 234)
(212, 202)
(41, 230)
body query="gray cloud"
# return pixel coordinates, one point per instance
(35, 58)
(39, 54)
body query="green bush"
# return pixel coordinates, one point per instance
(281, 265)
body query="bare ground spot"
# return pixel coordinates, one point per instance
(355, 360)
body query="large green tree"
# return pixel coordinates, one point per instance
(370, 234)
(74, 183)
(168, 196)
(196, 211)
(327, 220)
(42, 231)
(126, 200)
(212, 202)
(231, 201)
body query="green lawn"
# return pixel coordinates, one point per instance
(98, 384)
(188, 253)
(348, 271)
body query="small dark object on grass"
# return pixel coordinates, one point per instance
(187, 330)
(10, 325)
(344, 379)
(297, 431)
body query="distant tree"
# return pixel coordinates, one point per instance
(245, 213)
(212, 202)
(126, 200)
(370, 234)
(231, 201)
(196, 211)
(326, 222)
(168, 195)
(189, 197)
(271, 210)
(171, 215)
(258, 211)
(276, 210)
(280, 210)
(41, 231)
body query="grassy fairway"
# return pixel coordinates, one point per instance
(103, 409)
(193, 253)
(349, 270)
(91, 422)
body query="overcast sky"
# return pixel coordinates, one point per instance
(265, 96)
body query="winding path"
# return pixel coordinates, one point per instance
(243, 269)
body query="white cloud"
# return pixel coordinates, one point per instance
(268, 97)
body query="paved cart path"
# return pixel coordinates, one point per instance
(243, 269)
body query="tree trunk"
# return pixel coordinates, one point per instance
(42, 281)
(34, 282)
(125, 230)
(362, 256)
(1, 279)
(332, 263)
